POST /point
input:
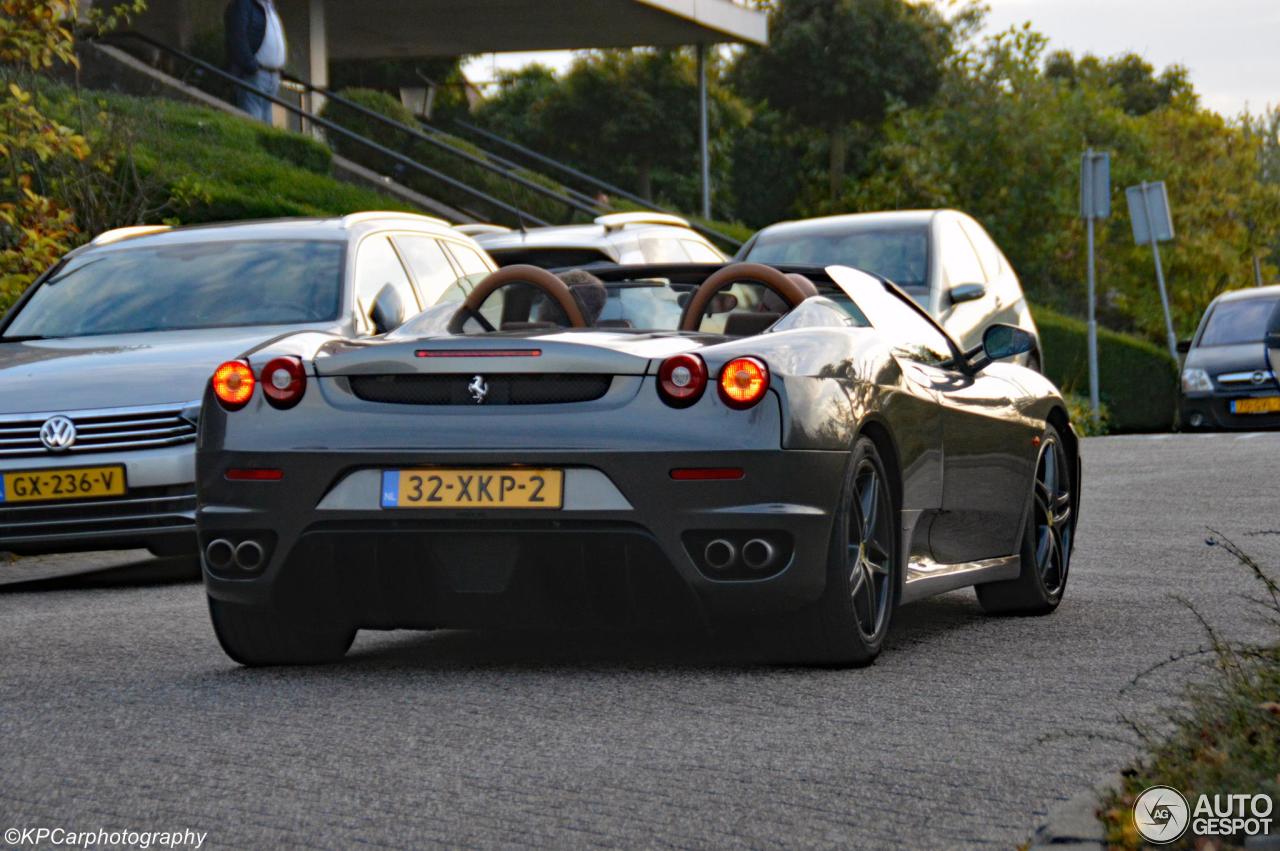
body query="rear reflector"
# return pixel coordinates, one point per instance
(478, 353)
(254, 474)
(706, 474)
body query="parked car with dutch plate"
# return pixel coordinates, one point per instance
(105, 358)
(1228, 377)
(944, 259)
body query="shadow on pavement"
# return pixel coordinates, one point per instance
(491, 650)
(79, 571)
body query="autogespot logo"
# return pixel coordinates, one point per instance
(1161, 814)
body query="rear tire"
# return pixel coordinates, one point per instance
(1047, 540)
(847, 625)
(257, 636)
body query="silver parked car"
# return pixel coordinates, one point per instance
(944, 259)
(625, 238)
(104, 360)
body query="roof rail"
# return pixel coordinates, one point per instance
(120, 234)
(617, 221)
(477, 228)
(373, 215)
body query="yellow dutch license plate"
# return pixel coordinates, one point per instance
(1256, 405)
(473, 488)
(66, 483)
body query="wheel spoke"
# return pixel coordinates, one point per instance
(876, 553)
(869, 501)
(875, 568)
(873, 607)
(1044, 548)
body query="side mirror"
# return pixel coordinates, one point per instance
(966, 292)
(388, 310)
(1006, 341)
(1273, 340)
(1184, 346)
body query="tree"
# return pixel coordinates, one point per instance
(628, 116)
(832, 62)
(36, 228)
(1003, 140)
(1139, 88)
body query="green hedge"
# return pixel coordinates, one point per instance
(203, 165)
(1138, 381)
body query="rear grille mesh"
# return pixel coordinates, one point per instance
(99, 431)
(512, 389)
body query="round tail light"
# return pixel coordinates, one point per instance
(233, 384)
(682, 380)
(743, 382)
(284, 380)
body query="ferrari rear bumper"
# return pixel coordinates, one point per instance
(629, 544)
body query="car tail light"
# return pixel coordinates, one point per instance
(743, 382)
(682, 380)
(233, 384)
(284, 380)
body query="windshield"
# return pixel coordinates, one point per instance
(194, 285)
(1235, 322)
(900, 254)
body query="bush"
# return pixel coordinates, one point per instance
(1138, 381)
(302, 151)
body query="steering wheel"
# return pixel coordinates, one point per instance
(786, 288)
(553, 287)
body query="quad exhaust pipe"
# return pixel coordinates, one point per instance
(249, 555)
(221, 554)
(720, 554)
(758, 554)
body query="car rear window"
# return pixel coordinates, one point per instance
(194, 285)
(1236, 322)
(900, 254)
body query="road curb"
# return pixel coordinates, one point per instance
(1073, 824)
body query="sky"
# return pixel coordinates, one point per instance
(1229, 46)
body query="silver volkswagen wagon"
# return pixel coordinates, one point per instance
(105, 358)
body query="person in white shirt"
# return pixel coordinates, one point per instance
(256, 53)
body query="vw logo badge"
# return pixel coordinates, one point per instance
(58, 434)
(478, 389)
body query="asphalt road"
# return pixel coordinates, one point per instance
(118, 710)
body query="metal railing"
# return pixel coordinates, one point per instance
(590, 180)
(520, 216)
(496, 164)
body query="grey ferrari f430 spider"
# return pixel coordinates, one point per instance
(794, 450)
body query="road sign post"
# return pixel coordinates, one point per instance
(1095, 203)
(1152, 225)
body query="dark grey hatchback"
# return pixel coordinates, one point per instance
(1228, 380)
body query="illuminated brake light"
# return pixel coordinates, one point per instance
(682, 380)
(284, 380)
(233, 384)
(743, 382)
